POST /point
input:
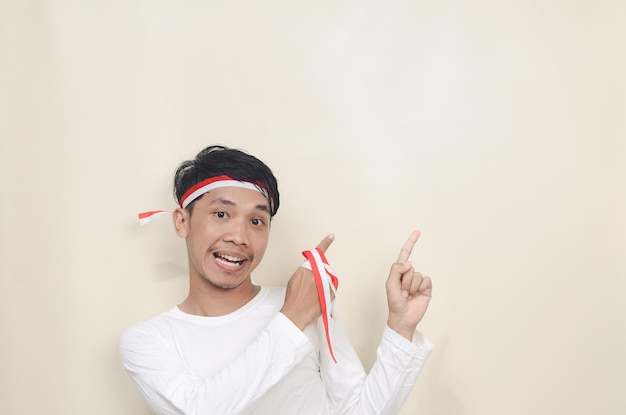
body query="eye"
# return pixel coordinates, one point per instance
(220, 214)
(257, 222)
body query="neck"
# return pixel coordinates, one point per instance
(217, 302)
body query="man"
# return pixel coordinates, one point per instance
(232, 347)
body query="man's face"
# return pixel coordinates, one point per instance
(226, 235)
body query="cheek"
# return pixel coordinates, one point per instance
(195, 250)
(198, 245)
(261, 245)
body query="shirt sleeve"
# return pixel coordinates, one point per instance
(386, 387)
(171, 387)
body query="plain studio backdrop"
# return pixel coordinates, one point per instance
(497, 128)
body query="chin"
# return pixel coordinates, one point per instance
(226, 285)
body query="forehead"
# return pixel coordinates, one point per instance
(236, 197)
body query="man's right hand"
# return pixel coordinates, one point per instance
(302, 304)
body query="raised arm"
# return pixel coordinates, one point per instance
(400, 355)
(171, 386)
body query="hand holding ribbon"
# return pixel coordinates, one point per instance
(307, 298)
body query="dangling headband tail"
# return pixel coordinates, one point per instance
(206, 186)
(325, 280)
(145, 217)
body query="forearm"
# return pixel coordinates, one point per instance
(393, 375)
(170, 387)
(386, 387)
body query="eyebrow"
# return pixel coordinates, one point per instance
(227, 202)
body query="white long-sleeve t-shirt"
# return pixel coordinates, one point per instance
(256, 361)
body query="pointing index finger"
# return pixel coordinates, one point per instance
(326, 242)
(407, 248)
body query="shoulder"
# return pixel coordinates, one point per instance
(274, 293)
(158, 328)
(269, 300)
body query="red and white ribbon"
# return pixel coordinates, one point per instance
(325, 281)
(145, 217)
(203, 187)
(219, 181)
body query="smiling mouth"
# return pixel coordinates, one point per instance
(229, 260)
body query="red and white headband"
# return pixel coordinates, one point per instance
(206, 186)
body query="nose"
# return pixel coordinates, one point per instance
(237, 233)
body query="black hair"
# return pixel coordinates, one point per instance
(217, 160)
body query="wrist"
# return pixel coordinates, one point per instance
(405, 330)
(301, 323)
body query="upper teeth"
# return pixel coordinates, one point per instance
(231, 258)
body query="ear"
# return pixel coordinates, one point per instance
(180, 217)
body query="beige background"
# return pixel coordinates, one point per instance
(497, 128)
